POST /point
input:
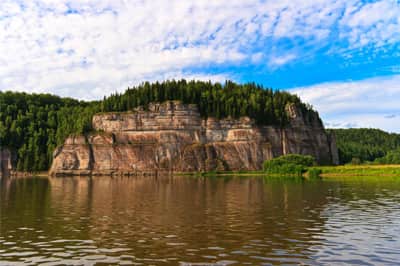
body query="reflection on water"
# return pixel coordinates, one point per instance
(197, 221)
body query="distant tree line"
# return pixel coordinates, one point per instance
(367, 145)
(33, 125)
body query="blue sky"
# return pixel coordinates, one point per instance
(342, 56)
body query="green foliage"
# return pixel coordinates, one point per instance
(292, 164)
(266, 106)
(364, 144)
(361, 170)
(34, 124)
(305, 160)
(355, 161)
(314, 172)
(392, 157)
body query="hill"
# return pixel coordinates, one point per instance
(33, 125)
(365, 144)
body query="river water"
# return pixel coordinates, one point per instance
(199, 221)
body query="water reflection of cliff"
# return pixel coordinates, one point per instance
(167, 212)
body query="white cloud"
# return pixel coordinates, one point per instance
(276, 61)
(375, 23)
(367, 103)
(70, 47)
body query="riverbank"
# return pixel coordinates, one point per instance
(28, 174)
(358, 170)
(325, 171)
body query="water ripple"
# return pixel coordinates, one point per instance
(199, 221)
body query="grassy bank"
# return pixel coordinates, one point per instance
(310, 172)
(322, 171)
(359, 170)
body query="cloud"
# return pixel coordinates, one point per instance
(340, 125)
(89, 48)
(375, 23)
(277, 61)
(364, 103)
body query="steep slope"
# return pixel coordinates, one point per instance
(172, 136)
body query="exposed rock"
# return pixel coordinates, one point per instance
(173, 137)
(6, 162)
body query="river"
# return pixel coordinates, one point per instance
(181, 220)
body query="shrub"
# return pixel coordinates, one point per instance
(292, 164)
(355, 161)
(314, 172)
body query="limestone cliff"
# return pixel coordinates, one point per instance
(6, 162)
(173, 137)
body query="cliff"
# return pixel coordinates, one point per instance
(173, 137)
(6, 162)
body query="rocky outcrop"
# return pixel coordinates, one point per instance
(6, 162)
(173, 137)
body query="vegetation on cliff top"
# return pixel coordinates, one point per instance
(34, 124)
(265, 106)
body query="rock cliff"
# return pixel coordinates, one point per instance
(6, 162)
(172, 136)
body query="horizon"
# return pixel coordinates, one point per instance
(342, 56)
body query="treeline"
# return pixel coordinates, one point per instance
(367, 145)
(33, 125)
(265, 105)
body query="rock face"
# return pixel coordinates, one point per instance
(173, 137)
(6, 162)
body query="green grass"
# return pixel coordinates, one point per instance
(314, 172)
(358, 170)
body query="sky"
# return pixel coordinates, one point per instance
(341, 56)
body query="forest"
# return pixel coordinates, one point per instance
(33, 125)
(365, 145)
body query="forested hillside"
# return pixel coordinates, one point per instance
(362, 145)
(34, 124)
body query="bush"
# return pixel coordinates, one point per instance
(314, 172)
(355, 161)
(292, 164)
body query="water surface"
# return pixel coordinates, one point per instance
(199, 221)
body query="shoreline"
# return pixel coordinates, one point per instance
(326, 172)
(364, 170)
